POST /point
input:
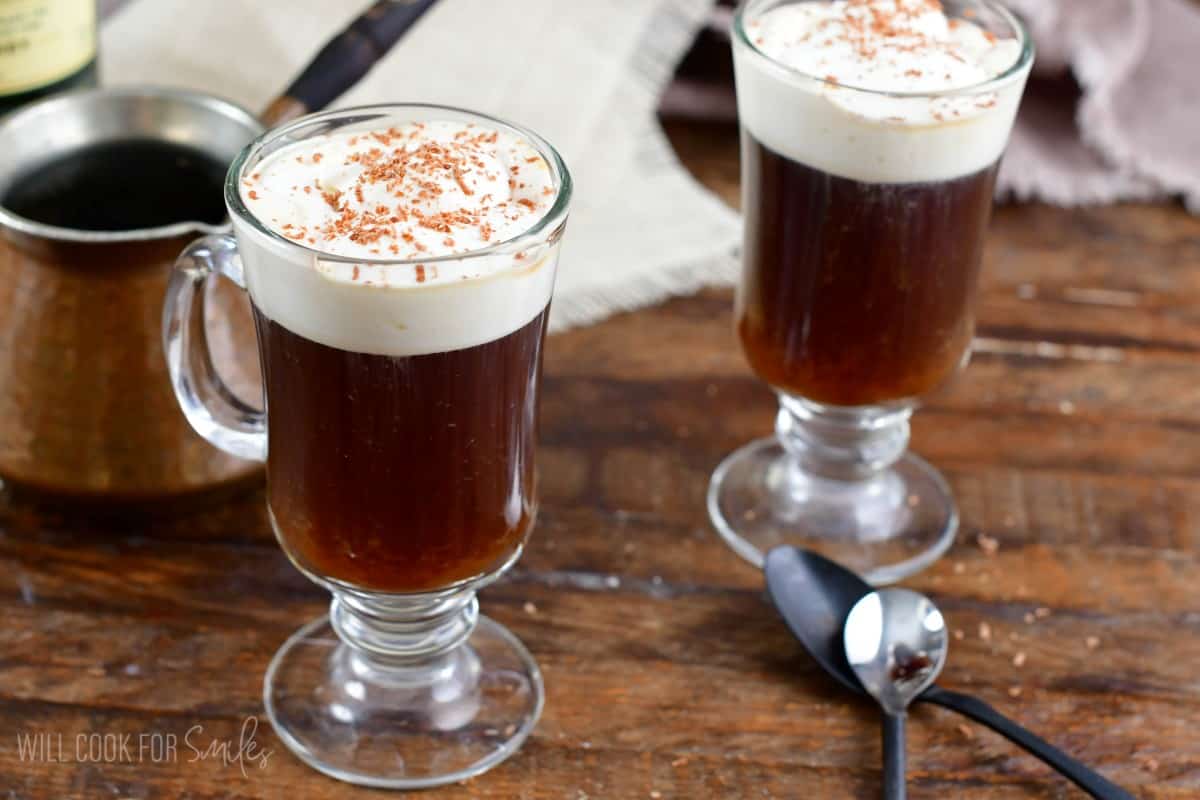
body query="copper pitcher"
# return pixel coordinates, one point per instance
(86, 409)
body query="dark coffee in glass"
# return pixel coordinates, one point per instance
(857, 293)
(393, 473)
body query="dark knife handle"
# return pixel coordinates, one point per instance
(974, 708)
(346, 58)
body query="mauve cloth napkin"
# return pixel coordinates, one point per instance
(1133, 132)
(1111, 112)
(586, 75)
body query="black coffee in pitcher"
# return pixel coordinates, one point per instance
(121, 185)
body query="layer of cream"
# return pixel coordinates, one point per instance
(810, 86)
(439, 191)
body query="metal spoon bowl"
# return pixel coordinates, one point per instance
(896, 643)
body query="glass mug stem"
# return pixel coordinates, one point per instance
(842, 443)
(410, 655)
(397, 633)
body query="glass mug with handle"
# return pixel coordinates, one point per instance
(871, 137)
(399, 261)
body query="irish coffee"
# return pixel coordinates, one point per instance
(402, 396)
(400, 261)
(872, 132)
(865, 210)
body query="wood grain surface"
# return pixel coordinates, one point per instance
(1072, 442)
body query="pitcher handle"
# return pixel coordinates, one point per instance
(212, 410)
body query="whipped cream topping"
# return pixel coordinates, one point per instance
(396, 197)
(849, 51)
(413, 191)
(885, 46)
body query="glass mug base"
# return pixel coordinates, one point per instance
(886, 527)
(363, 720)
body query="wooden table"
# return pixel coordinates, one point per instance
(1073, 445)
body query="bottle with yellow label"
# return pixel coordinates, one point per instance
(46, 46)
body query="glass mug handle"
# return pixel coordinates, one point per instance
(211, 408)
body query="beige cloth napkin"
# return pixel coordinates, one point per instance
(586, 75)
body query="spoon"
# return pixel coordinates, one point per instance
(815, 596)
(895, 641)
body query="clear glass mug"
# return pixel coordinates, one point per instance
(402, 483)
(863, 243)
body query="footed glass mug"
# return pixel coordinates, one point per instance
(401, 482)
(864, 235)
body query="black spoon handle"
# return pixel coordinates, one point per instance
(893, 757)
(1083, 777)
